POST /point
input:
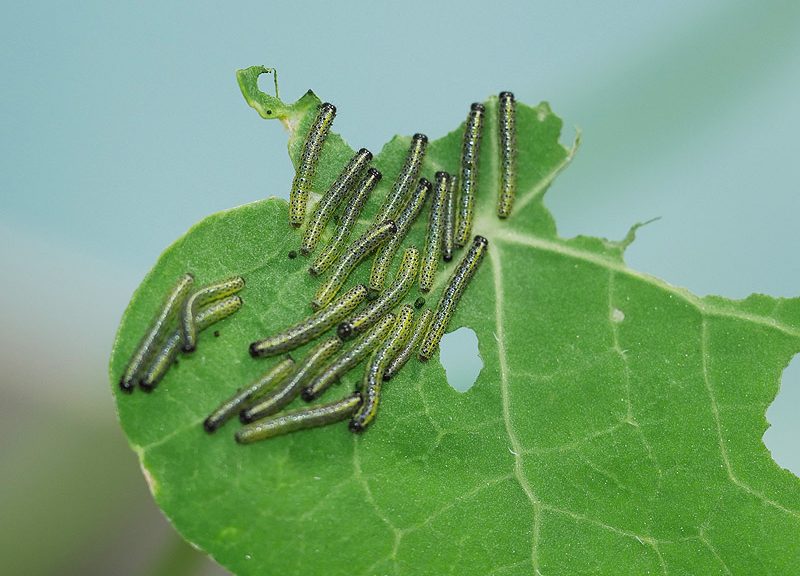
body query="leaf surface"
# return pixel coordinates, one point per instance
(615, 427)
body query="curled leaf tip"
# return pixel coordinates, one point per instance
(266, 105)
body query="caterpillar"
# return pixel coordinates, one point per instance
(356, 252)
(333, 197)
(199, 299)
(380, 266)
(165, 357)
(277, 398)
(301, 185)
(156, 332)
(311, 327)
(374, 374)
(259, 388)
(299, 420)
(406, 275)
(433, 244)
(420, 328)
(449, 231)
(470, 152)
(506, 121)
(351, 212)
(452, 293)
(405, 179)
(349, 359)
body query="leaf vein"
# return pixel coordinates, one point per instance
(718, 426)
(630, 416)
(506, 403)
(713, 550)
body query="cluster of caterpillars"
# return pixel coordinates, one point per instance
(175, 328)
(383, 331)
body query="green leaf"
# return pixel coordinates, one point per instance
(615, 427)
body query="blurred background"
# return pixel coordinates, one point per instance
(122, 125)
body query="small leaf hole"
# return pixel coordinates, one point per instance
(460, 357)
(266, 83)
(781, 437)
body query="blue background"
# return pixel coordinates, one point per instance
(122, 125)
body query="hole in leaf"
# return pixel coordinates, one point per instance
(781, 437)
(458, 353)
(266, 83)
